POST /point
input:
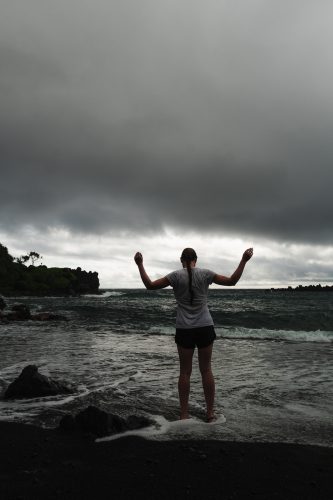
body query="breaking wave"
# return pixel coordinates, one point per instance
(274, 335)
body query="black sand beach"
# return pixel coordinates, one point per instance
(42, 464)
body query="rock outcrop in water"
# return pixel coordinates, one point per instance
(3, 304)
(17, 279)
(100, 423)
(32, 384)
(21, 312)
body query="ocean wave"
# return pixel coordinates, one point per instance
(274, 335)
(104, 295)
(28, 298)
(161, 330)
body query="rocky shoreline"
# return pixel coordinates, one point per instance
(53, 464)
(68, 462)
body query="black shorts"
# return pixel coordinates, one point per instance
(191, 337)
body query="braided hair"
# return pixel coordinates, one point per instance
(187, 256)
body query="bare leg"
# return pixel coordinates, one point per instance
(208, 384)
(185, 366)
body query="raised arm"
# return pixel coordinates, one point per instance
(149, 284)
(233, 279)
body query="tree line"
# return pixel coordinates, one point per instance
(19, 278)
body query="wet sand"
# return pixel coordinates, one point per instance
(42, 464)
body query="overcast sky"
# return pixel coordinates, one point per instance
(151, 125)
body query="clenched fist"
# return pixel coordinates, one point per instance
(247, 254)
(138, 258)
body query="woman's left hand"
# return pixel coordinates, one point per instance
(138, 258)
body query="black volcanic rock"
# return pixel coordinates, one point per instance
(101, 423)
(67, 423)
(32, 384)
(46, 316)
(137, 422)
(20, 312)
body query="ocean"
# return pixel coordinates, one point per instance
(272, 363)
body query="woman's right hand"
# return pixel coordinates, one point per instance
(138, 258)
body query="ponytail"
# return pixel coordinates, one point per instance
(189, 271)
(189, 255)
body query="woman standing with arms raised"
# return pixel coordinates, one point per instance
(194, 324)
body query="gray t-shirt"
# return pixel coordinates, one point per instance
(197, 314)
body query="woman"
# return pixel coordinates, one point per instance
(194, 324)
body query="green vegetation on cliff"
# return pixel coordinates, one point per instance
(19, 279)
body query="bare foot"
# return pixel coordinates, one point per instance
(211, 418)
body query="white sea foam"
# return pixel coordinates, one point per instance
(161, 330)
(20, 405)
(162, 428)
(104, 295)
(137, 376)
(265, 334)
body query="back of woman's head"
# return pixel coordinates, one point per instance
(188, 255)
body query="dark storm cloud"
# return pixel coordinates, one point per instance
(141, 115)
